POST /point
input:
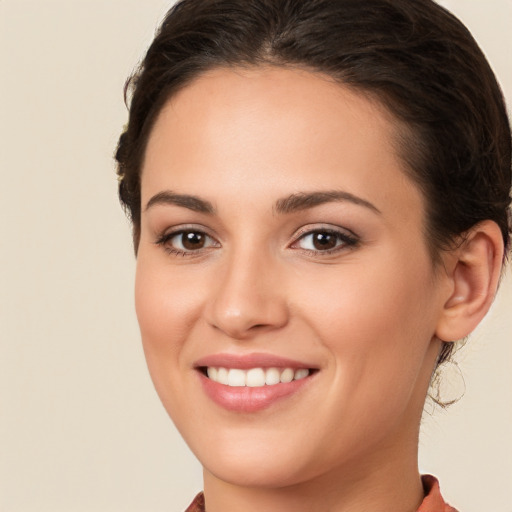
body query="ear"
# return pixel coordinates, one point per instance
(473, 270)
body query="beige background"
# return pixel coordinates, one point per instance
(81, 428)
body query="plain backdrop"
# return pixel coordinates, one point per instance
(81, 428)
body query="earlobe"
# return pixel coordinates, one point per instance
(474, 273)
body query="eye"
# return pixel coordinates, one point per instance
(186, 241)
(325, 240)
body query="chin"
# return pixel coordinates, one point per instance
(263, 472)
(270, 462)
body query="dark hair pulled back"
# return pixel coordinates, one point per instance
(415, 57)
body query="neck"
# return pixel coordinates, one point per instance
(391, 483)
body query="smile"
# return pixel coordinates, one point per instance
(255, 377)
(252, 382)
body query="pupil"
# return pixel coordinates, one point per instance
(192, 240)
(324, 241)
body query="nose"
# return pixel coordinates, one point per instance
(247, 297)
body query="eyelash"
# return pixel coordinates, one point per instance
(344, 240)
(164, 239)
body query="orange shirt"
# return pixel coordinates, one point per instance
(433, 501)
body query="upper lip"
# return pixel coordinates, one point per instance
(247, 361)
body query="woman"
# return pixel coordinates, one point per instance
(320, 195)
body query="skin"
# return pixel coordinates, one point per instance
(366, 316)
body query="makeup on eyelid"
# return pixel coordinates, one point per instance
(322, 241)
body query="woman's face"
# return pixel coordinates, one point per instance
(281, 239)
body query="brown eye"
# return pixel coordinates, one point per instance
(324, 241)
(192, 240)
(186, 242)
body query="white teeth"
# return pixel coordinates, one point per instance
(301, 374)
(287, 375)
(222, 376)
(255, 377)
(272, 376)
(236, 378)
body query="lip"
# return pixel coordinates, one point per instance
(250, 399)
(247, 361)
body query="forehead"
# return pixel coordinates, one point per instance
(272, 131)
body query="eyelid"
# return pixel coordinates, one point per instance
(331, 228)
(179, 228)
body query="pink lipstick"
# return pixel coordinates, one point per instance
(249, 383)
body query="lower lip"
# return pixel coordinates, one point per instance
(247, 399)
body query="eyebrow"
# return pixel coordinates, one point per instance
(190, 202)
(306, 200)
(292, 203)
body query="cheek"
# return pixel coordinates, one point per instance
(377, 324)
(370, 304)
(166, 309)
